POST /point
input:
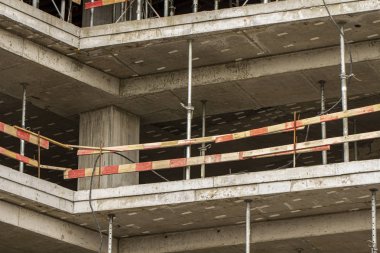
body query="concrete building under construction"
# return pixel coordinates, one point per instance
(189, 126)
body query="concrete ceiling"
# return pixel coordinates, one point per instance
(349, 242)
(16, 240)
(171, 55)
(220, 213)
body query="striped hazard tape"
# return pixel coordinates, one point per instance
(279, 128)
(218, 158)
(23, 135)
(18, 157)
(99, 3)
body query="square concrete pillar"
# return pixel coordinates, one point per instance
(110, 126)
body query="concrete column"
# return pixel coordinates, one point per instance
(109, 126)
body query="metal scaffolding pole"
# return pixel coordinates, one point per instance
(36, 3)
(216, 4)
(195, 6)
(266, 1)
(189, 106)
(92, 10)
(138, 11)
(166, 8)
(373, 216)
(343, 77)
(203, 148)
(323, 124)
(110, 227)
(248, 226)
(172, 8)
(23, 115)
(146, 9)
(63, 9)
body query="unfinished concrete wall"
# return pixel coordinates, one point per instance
(109, 126)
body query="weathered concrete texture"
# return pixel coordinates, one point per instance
(54, 230)
(219, 21)
(233, 186)
(109, 126)
(34, 190)
(271, 231)
(249, 69)
(40, 22)
(60, 63)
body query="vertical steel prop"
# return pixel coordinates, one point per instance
(373, 218)
(323, 124)
(23, 116)
(248, 226)
(343, 77)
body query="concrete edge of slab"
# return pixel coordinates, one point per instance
(53, 228)
(208, 189)
(40, 21)
(298, 173)
(187, 30)
(203, 16)
(33, 189)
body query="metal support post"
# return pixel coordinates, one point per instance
(266, 1)
(138, 11)
(373, 216)
(172, 8)
(216, 4)
(323, 124)
(63, 9)
(110, 227)
(248, 226)
(343, 77)
(203, 148)
(146, 9)
(189, 106)
(36, 3)
(92, 10)
(195, 6)
(23, 115)
(166, 8)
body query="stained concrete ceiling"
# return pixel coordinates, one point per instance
(68, 97)
(171, 55)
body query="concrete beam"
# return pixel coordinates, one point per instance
(40, 22)
(257, 184)
(248, 69)
(59, 63)
(33, 190)
(52, 228)
(271, 231)
(205, 23)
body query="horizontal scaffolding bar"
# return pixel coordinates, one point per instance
(18, 157)
(279, 128)
(182, 162)
(23, 135)
(44, 138)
